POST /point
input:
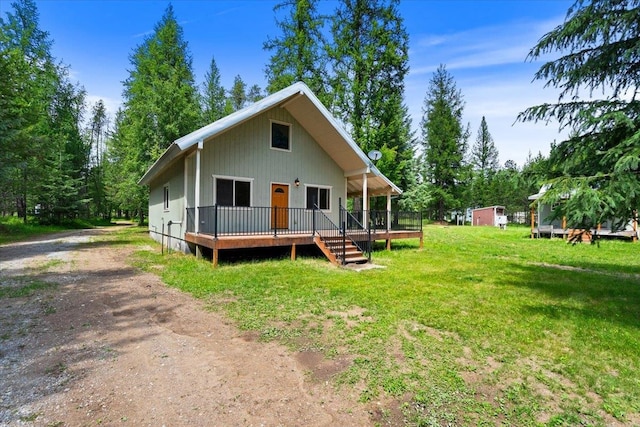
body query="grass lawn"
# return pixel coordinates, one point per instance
(481, 327)
(13, 229)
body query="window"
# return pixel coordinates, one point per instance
(232, 192)
(166, 197)
(319, 196)
(280, 136)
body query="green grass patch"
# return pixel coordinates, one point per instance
(481, 327)
(14, 229)
(25, 290)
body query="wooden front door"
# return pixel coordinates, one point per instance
(279, 206)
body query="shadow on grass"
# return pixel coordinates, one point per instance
(594, 295)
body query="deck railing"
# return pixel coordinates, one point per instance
(390, 220)
(356, 232)
(248, 221)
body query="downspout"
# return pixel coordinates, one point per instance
(197, 189)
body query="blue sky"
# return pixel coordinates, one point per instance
(483, 44)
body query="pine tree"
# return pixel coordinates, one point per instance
(298, 55)
(484, 161)
(444, 140)
(97, 135)
(238, 94)
(213, 96)
(161, 105)
(599, 164)
(484, 154)
(29, 81)
(44, 159)
(254, 94)
(369, 59)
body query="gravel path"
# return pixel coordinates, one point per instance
(100, 343)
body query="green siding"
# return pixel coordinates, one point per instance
(245, 152)
(174, 177)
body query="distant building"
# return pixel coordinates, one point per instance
(492, 215)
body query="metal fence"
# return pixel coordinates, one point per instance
(240, 221)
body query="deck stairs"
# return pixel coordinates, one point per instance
(332, 247)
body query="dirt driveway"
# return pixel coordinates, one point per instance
(109, 345)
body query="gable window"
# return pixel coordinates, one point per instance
(318, 196)
(281, 136)
(233, 192)
(165, 197)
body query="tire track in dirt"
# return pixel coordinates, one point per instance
(111, 345)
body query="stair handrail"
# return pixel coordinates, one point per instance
(363, 229)
(329, 229)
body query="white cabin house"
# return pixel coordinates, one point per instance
(265, 175)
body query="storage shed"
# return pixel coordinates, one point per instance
(492, 215)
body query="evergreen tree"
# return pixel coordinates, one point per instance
(161, 105)
(369, 60)
(254, 94)
(484, 160)
(298, 55)
(238, 94)
(29, 81)
(484, 154)
(97, 135)
(599, 164)
(444, 140)
(213, 96)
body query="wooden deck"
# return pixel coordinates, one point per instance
(292, 240)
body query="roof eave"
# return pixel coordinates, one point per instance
(167, 157)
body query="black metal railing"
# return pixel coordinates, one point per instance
(390, 220)
(248, 221)
(357, 233)
(331, 234)
(191, 220)
(238, 221)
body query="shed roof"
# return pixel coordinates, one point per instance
(307, 109)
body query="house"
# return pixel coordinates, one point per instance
(276, 173)
(543, 222)
(491, 215)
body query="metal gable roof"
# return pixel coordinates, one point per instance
(305, 107)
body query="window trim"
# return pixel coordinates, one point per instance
(166, 197)
(234, 179)
(289, 125)
(319, 187)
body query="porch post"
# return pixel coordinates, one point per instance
(365, 201)
(388, 210)
(197, 189)
(533, 220)
(196, 200)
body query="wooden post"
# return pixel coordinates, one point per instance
(564, 227)
(214, 258)
(421, 242)
(533, 221)
(293, 252)
(388, 244)
(635, 226)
